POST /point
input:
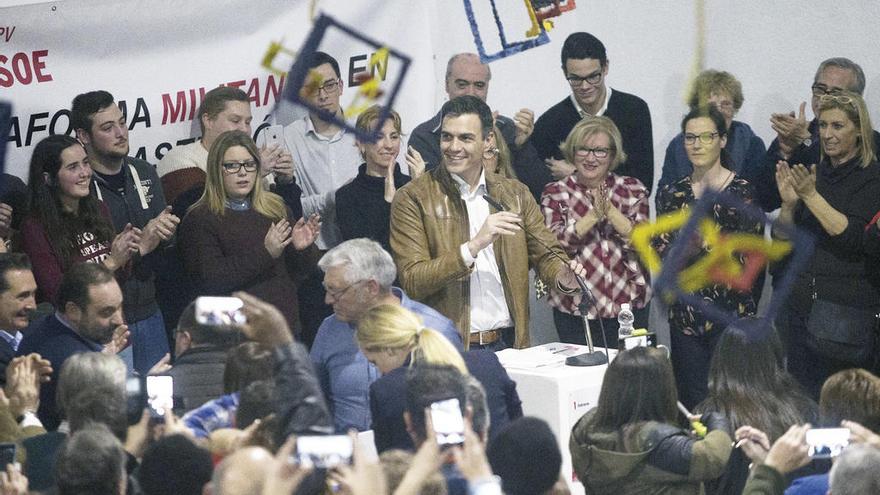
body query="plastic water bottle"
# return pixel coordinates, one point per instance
(625, 319)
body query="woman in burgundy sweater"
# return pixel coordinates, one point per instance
(237, 236)
(66, 225)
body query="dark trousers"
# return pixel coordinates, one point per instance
(571, 328)
(691, 355)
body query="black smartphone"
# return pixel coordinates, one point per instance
(7, 455)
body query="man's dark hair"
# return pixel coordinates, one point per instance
(317, 59)
(215, 100)
(174, 465)
(427, 384)
(257, 401)
(221, 336)
(76, 282)
(12, 262)
(87, 104)
(466, 104)
(583, 45)
(90, 462)
(526, 457)
(247, 363)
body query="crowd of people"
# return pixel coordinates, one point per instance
(373, 298)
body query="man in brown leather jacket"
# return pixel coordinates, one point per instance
(460, 255)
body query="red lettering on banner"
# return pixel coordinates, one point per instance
(175, 111)
(272, 89)
(253, 91)
(236, 84)
(182, 105)
(23, 68)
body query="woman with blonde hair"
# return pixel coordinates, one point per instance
(394, 338)
(237, 235)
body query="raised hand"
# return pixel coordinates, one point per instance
(559, 169)
(23, 384)
(501, 223)
(265, 323)
(278, 237)
(118, 341)
(123, 246)
(5, 219)
(284, 475)
(567, 277)
(525, 124)
(790, 451)
(753, 442)
(415, 162)
(305, 232)
(390, 188)
(803, 180)
(791, 130)
(784, 183)
(158, 229)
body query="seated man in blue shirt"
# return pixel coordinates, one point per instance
(88, 316)
(358, 275)
(17, 290)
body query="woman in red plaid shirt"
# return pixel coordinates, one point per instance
(592, 213)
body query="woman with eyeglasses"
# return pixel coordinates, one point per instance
(693, 335)
(66, 224)
(724, 91)
(592, 213)
(237, 235)
(829, 319)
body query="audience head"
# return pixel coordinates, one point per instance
(526, 456)
(465, 136)
(425, 385)
(638, 386)
(357, 275)
(242, 473)
(845, 129)
(91, 462)
(91, 389)
(247, 363)
(174, 465)
(395, 464)
(381, 154)
(323, 84)
(467, 75)
(836, 74)
(585, 65)
(100, 125)
(705, 136)
(476, 398)
(748, 383)
(18, 290)
(224, 108)
(190, 333)
(257, 401)
(856, 471)
(591, 137)
(91, 301)
(852, 395)
(496, 158)
(389, 333)
(719, 89)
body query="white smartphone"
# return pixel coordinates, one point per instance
(274, 136)
(160, 393)
(220, 311)
(825, 443)
(448, 422)
(324, 451)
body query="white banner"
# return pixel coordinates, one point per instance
(158, 58)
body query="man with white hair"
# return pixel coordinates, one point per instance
(358, 275)
(856, 471)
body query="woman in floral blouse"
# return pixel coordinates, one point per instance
(592, 213)
(693, 336)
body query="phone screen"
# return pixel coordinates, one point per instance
(825, 443)
(220, 311)
(448, 422)
(160, 394)
(324, 451)
(7, 455)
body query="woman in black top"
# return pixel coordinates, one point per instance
(834, 201)
(363, 206)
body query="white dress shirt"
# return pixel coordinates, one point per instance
(488, 306)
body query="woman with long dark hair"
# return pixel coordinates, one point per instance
(67, 225)
(693, 335)
(750, 387)
(237, 235)
(632, 441)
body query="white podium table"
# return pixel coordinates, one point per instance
(554, 392)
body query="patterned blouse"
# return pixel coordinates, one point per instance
(677, 195)
(614, 273)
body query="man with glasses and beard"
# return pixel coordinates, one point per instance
(585, 66)
(88, 318)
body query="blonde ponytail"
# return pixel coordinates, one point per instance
(390, 326)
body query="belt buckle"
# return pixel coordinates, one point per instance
(481, 338)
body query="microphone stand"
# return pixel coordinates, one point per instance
(592, 357)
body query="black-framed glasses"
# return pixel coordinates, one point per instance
(575, 80)
(337, 294)
(328, 87)
(235, 167)
(705, 138)
(821, 90)
(583, 153)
